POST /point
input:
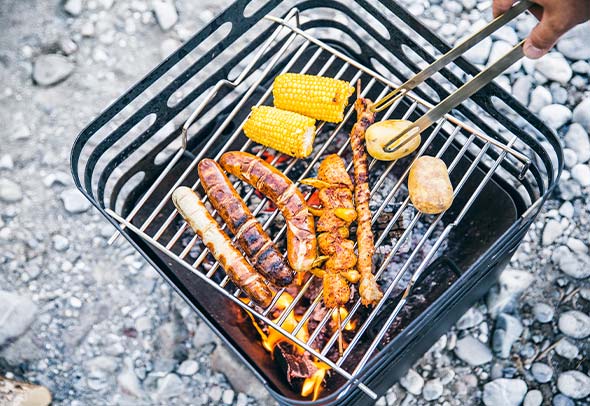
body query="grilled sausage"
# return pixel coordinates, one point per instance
(301, 241)
(368, 288)
(204, 225)
(252, 239)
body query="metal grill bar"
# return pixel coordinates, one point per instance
(375, 80)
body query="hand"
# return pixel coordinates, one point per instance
(556, 18)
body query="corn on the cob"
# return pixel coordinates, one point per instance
(285, 131)
(313, 96)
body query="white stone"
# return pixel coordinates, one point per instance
(471, 318)
(533, 398)
(412, 382)
(499, 49)
(51, 69)
(16, 315)
(576, 245)
(169, 386)
(543, 312)
(570, 158)
(10, 192)
(6, 162)
(479, 53)
(507, 331)
(228, 396)
(507, 34)
(433, 390)
(575, 324)
(551, 232)
(188, 367)
(575, 265)
(581, 67)
(581, 174)
(74, 201)
(578, 140)
(574, 44)
(542, 372)
(574, 384)
(505, 392)
(472, 351)
(540, 97)
(73, 7)
(522, 89)
(566, 349)
(60, 243)
(554, 67)
(581, 114)
(129, 383)
(555, 115)
(166, 14)
(168, 46)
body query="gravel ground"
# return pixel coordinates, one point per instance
(96, 325)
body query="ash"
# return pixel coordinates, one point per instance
(99, 326)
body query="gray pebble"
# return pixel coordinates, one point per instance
(169, 386)
(570, 158)
(472, 351)
(188, 367)
(558, 93)
(60, 243)
(479, 53)
(574, 324)
(567, 210)
(577, 139)
(562, 400)
(10, 192)
(168, 46)
(541, 372)
(572, 264)
(577, 246)
(522, 89)
(574, 384)
(499, 49)
(508, 329)
(581, 67)
(129, 384)
(543, 312)
(51, 69)
(471, 318)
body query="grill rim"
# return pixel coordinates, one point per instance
(88, 193)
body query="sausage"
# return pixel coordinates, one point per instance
(236, 267)
(301, 241)
(252, 239)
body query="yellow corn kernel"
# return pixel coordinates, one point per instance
(314, 96)
(285, 131)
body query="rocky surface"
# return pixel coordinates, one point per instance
(96, 325)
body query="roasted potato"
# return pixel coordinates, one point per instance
(429, 185)
(380, 133)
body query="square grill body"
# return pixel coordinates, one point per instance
(129, 160)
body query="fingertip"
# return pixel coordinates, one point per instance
(533, 52)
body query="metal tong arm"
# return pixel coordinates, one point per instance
(451, 55)
(456, 98)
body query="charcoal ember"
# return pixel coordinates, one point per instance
(296, 365)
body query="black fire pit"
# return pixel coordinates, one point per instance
(129, 160)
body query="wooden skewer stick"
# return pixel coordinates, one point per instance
(340, 336)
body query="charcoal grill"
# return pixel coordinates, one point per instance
(503, 163)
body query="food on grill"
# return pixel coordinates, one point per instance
(313, 96)
(335, 215)
(429, 186)
(204, 225)
(369, 290)
(287, 132)
(301, 240)
(381, 133)
(252, 239)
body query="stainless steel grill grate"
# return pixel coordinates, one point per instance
(298, 41)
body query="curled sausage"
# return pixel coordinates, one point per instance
(252, 239)
(301, 240)
(236, 267)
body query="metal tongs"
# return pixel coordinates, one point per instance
(465, 91)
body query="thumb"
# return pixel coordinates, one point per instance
(541, 39)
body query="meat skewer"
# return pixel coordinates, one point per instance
(254, 242)
(335, 215)
(236, 267)
(369, 290)
(301, 240)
